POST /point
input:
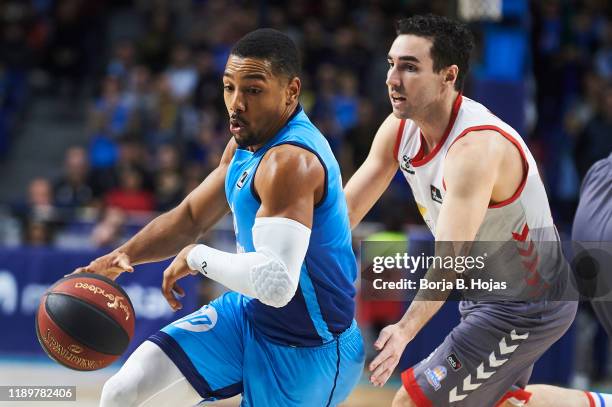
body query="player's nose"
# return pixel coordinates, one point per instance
(237, 103)
(393, 79)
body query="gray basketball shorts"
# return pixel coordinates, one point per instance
(489, 356)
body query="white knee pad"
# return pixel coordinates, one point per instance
(148, 378)
(121, 390)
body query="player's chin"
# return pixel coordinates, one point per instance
(243, 140)
(401, 112)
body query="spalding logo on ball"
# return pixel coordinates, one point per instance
(85, 321)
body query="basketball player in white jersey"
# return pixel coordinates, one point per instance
(473, 179)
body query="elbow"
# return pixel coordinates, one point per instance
(280, 299)
(273, 284)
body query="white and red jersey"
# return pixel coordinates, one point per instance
(518, 233)
(526, 210)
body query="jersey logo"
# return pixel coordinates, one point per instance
(406, 164)
(436, 195)
(202, 320)
(241, 180)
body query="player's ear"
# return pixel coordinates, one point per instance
(293, 90)
(450, 74)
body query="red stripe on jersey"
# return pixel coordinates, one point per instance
(398, 139)
(421, 158)
(519, 394)
(591, 400)
(520, 188)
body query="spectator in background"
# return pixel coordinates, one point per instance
(108, 232)
(361, 135)
(155, 45)
(584, 107)
(66, 53)
(207, 92)
(130, 195)
(346, 102)
(140, 97)
(110, 115)
(40, 203)
(603, 58)
(166, 112)
(168, 182)
(38, 214)
(595, 142)
(38, 233)
(122, 62)
(73, 189)
(182, 75)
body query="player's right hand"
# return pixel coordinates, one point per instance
(391, 343)
(110, 265)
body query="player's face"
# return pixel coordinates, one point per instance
(411, 81)
(255, 98)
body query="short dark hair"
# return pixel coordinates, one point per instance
(271, 45)
(452, 41)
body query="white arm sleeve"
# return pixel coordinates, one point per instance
(271, 273)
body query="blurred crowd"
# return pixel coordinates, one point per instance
(156, 123)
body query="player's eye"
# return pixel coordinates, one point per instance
(228, 88)
(254, 91)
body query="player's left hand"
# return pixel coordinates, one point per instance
(175, 271)
(391, 343)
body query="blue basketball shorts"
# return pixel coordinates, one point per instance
(222, 355)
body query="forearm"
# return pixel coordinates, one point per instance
(417, 316)
(167, 234)
(160, 239)
(362, 190)
(427, 302)
(270, 273)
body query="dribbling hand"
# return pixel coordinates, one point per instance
(391, 343)
(175, 271)
(110, 265)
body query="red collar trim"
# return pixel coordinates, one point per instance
(421, 158)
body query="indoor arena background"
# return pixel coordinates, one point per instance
(112, 111)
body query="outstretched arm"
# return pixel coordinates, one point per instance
(470, 173)
(373, 177)
(164, 236)
(289, 182)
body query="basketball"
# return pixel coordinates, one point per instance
(85, 321)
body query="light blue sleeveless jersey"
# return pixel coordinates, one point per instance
(323, 305)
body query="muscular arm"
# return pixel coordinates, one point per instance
(471, 169)
(164, 236)
(289, 182)
(373, 177)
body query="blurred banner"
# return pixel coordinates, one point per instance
(27, 272)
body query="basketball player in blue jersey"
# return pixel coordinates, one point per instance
(285, 334)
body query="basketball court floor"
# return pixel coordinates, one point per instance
(39, 371)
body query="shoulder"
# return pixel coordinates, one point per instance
(386, 141)
(486, 143)
(228, 153)
(290, 161)
(390, 127)
(477, 154)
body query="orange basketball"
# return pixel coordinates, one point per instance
(85, 321)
